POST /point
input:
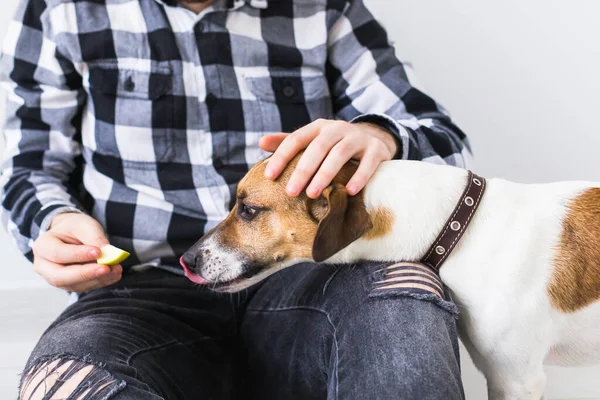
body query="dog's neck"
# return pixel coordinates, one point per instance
(421, 197)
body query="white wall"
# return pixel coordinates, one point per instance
(520, 77)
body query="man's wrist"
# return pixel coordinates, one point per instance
(385, 124)
(387, 137)
(59, 217)
(45, 217)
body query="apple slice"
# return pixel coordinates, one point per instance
(112, 255)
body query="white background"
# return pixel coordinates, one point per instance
(519, 76)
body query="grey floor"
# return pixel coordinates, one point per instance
(24, 314)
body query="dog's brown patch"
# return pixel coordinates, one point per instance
(576, 280)
(382, 220)
(285, 228)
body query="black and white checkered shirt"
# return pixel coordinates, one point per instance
(145, 115)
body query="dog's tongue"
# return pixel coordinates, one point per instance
(192, 277)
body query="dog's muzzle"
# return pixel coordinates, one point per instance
(188, 262)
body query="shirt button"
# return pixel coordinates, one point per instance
(129, 85)
(289, 90)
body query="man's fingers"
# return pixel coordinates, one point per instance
(270, 143)
(64, 276)
(65, 255)
(317, 151)
(53, 249)
(367, 167)
(79, 229)
(290, 146)
(341, 153)
(107, 280)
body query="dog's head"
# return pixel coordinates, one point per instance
(268, 230)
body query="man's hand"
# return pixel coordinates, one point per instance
(65, 255)
(329, 145)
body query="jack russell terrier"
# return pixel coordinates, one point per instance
(522, 262)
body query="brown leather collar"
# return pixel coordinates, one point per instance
(457, 223)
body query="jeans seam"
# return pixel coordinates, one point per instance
(326, 286)
(335, 340)
(160, 346)
(147, 349)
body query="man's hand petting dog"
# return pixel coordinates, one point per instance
(65, 256)
(329, 145)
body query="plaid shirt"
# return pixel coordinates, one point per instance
(146, 115)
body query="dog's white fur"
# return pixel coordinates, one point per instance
(498, 273)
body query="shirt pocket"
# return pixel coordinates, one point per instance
(132, 114)
(288, 100)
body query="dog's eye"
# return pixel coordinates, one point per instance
(248, 212)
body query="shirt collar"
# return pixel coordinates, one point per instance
(231, 4)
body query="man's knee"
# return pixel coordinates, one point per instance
(65, 377)
(412, 280)
(388, 282)
(403, 305)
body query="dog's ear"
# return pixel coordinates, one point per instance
(342, 220)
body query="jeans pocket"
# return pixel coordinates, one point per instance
(414, 280)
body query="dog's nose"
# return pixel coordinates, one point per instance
(188, 262)
(189, 259)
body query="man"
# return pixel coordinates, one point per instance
(131, 121)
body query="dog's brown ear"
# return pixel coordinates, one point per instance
(342, 220)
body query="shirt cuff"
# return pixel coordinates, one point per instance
(401, 133)
(44, 217)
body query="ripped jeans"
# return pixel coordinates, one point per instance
(368, 331)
